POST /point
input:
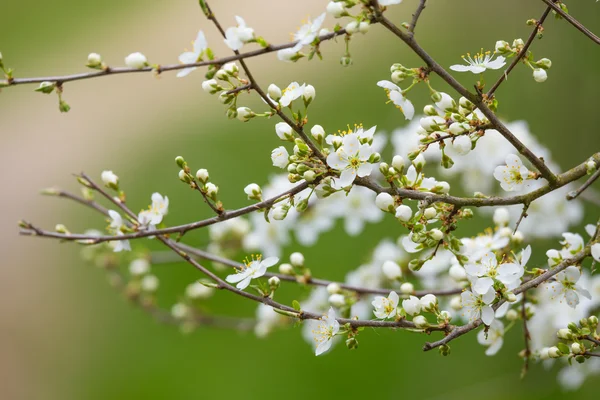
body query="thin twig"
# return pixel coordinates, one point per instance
(563, 179)
(523, 215)
(592, 179)
(416, 15)
(522, 53)
(170, 67)
(573, 21)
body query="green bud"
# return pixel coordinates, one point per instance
(309, 176)
(346, 61)
(46, 87)
(444, 350)
(180, 162)
(436, 97)
(63, 106)
(352, 343)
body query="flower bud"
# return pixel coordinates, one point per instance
(297, 259)
(398, 76)
(466, 104)
(110, 180)
(363, 27)
(420, 322)
(184, 177)
(94, 60)
(544, 63)
(430, 213)
(337, 300)
(245, 114)
(352, 27)
(419, 162)
(46, 87)
(284, 131)
(149, 283)
(407, 288)
(346, 61)
(512, 315)
(436, 234)
(456, 128)
(318, 133)
(385, 202)
(428, 302)
(502, 47)
(412, 305)
(211, 190)
(446, 102)
(391, 270)
(564, 334)
(510, 297)
(336, 9)
(197, 290)
(211, 86)
(403, 213)
(430, 110)
(577, 348)
(517, 237)
(179, 311)
(540, 75)
(274, 92)
(286, 269)
(333, 288)
(398, 163)
(139, 266)
(136, 60)
(309, 94)
(202, 175)
(231, 68)
(274, 282)
(279, 213)
(462, 145)
(590, 167)
(518, 43)
(253, 191)
(554, 352)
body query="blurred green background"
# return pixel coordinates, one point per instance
(67, 335)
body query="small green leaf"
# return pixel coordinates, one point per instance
(296, 305)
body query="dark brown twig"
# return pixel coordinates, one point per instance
(573, 21)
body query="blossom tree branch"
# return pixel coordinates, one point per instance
(522, 53)
(573, 21)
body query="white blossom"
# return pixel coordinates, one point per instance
(236, 36)
(566, 286)
(253, 269)
(197, 290)
(109, 179)
(412, 305)
(326, 330)
(157, 210)
(136, 60)
(514, 175)
(308, 32)
(386, 307)
(280, 157)
(351, 159)
(189, 57)
(397, 97)
(478, 306)
(292, 92)
(139, 266)
(479, 63)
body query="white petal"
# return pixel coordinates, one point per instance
(460, 68)
(487, 315)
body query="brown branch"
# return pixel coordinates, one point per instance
(573, 21)
(313, 281)
(563, 179)
(592, 179)
(170, 67)
(416, 15)
(520, 55)
(477, 100)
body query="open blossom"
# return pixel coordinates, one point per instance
(309, 31)
(512, 176)
(116, 221)
(236, 36)
(479, 63)
(478, 306)
(389, 2)
(280, 157)
(397, 97)
(566, 286)
(493, 338)
(351, 159)
(325, 332)
(155, 213)
(386, 307)
(291, 93)
(483, 273)
(189, 57)
(251, 270)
